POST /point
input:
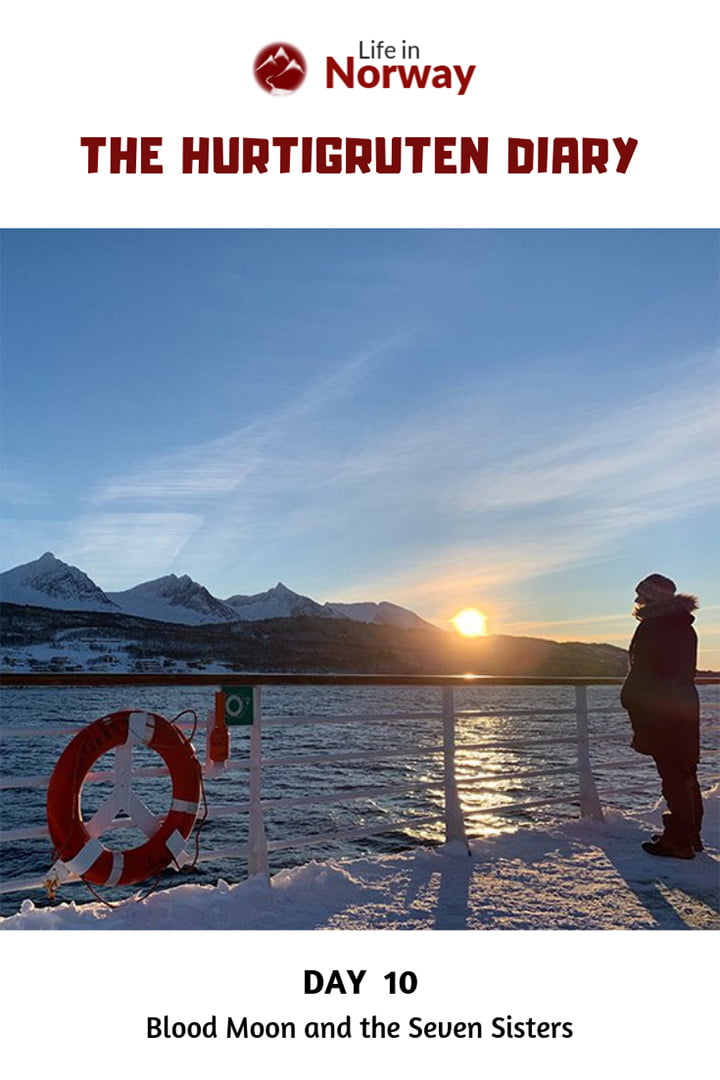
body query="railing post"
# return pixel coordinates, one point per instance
(454, 823)
(257, 843)
(590, 805)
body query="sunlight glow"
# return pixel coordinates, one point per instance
(470, 623)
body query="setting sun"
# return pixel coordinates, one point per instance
(470, 623)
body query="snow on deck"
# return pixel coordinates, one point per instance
(582, 875)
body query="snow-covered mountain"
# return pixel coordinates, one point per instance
(277, 603)
(49, 582)
(384, 614)
(173, 599)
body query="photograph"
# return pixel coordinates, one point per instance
(360, 579)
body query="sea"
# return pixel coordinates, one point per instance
(516, 765)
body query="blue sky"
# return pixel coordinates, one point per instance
(519, 420)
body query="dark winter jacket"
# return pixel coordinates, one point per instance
(659, 692)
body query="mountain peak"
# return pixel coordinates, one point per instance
(173, 599)
(280, 602)
(184, 580)
(50, 582)
(384, 614)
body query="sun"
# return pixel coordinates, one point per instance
(470, 622)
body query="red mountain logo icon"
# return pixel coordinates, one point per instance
(280, 68)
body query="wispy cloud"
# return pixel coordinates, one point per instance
(664, 443)
(18, 492)
(119, 550)
(497, 517)
(460, 496)
(503, 555)
(220, 466)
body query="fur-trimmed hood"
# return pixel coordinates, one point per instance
(680, 604)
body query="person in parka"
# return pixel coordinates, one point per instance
(661, 699)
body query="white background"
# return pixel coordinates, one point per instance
(168, 68)
(78, 1000)
(640, 1002)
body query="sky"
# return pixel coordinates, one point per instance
(522, 421)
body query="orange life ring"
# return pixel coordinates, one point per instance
(84, 854)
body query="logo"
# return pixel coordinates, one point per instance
(280, 68)
(239, 705)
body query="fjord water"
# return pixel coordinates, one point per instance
(512, 726)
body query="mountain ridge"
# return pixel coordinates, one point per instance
(41, 639)
(50, 582)
(176, 624)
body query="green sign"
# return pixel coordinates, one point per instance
(238, 705)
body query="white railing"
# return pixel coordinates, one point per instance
(455, 818)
